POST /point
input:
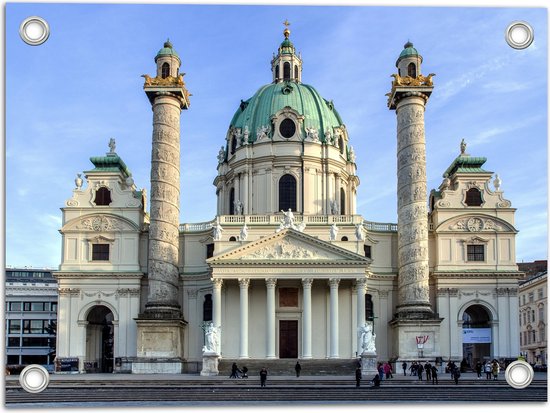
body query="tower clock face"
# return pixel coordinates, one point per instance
(287, 128)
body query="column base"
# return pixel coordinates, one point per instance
(143, 365)
(417, 311)
(408, 332)
(160, 338)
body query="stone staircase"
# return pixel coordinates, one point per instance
(285, 367)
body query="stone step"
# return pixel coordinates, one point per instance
(285, 367)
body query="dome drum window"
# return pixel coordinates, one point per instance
(287, 128)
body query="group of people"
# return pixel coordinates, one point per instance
(418, 369)
(375, 382)
(490, 368)
(385, 370)
(237, 373)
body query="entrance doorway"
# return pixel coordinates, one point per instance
(99, 340)
(476, 335)
(288, 339)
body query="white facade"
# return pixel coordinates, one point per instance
(287, 268)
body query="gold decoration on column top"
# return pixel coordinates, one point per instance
(164, 81)
(420, 80)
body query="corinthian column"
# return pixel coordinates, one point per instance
(270, 317)
(243, 284)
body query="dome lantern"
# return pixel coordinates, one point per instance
(286, 66)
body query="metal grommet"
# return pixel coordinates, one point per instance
(519, 35)
(34, 30)
(34, 378)
(519, 374)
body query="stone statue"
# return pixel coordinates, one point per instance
(244, 233)
(351, 154)
(78, 182)
(367, 338)
(463, 147)
(288, 220)
(262, 132)
(245, 135)
(360, 232)
(239, 206)
(221, 155)
(217, 235)
(333, 232)
(211, 339)
(112, 145)
(328, 135)
(312, 134)
(497, 183)
(334, 207)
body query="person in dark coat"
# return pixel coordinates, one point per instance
(434, 375)
(456, 374)
(358, 376)
(404, 366)
(263, 376)
(245, 372)
(298, 368)
(234, 371)
(376, 381)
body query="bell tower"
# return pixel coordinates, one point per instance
(408, 97)
(161, 325)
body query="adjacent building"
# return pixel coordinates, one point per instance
(287, 268)
(533, 305)
(31, 315)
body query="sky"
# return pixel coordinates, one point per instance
(66, 98)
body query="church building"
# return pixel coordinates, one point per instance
(287, 269)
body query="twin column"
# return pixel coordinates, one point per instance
(271, 283)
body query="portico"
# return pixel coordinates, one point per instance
(288, 288)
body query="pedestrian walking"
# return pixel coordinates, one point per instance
(388, 370)
(434, 374)
(420, 370)
(358, 376)
(456, 374)
(404, 367)
(263, 376)
(234, 371)
(478, 369)
(428, 370)
(380, 369)
(245, 372)
(298, 368)
(488, 370)
(495, 369)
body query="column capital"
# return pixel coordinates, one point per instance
(271, 282)
(217, 282)
(306, 282)
(244, 282)
(361, 283)
(333, 282)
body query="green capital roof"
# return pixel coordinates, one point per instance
(167, 50)
(408, 51)
(466, 164)
(110, 163)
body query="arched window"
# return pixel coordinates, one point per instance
(207, 308)
(344, 238)
(369, 308)
(295, 72)
(341, 145)
(411, 70)
(342, 201)
(287, 193)
(232, 201)
(541, 312)
(232, 239)
(277, 72)
(165, 70)
(473, 197)
(103, 197)
(233, 145)
(286, 71)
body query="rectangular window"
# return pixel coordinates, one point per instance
(476, 252)
(14, 326)
(35, 306)
(288, 297)
(100, 252)
(368, 251)
(35, 326)
(15, 306)
(13, 342)
(531, 296)
(54, 307)
(35, 342)
(209, 250)
(520, 339)
(540, 294)
(13, 359)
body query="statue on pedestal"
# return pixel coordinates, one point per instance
(367, 339)
(211, 339)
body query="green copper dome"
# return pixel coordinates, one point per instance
(408, 51)
(167, 50)
(269, 99)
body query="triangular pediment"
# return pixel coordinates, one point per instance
(288, 247)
